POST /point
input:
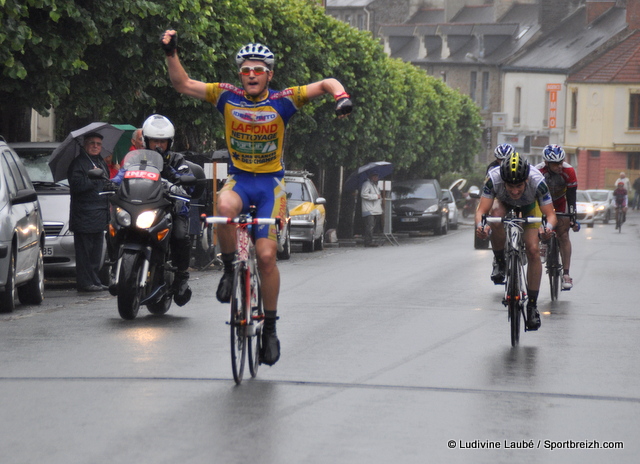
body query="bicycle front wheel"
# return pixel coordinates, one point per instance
(255, 340)
(513, 299)
(554, 268)
(238, 323)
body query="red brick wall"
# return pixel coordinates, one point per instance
(591, 170)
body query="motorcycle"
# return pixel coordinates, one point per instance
(139, 232)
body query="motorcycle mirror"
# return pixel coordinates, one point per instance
(187, 180)
(183, 168)
(474, 192)
(96, 173)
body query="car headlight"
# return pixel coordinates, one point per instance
(589, 208)
(146, 219)
(600, 208)
(123, 217)
(431, 209)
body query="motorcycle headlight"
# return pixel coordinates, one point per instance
(123, 217)
(146, 219)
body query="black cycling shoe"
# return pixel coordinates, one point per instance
(270, 349)
(225, 287)
(533, 318)
(182, 291)
(497, 275)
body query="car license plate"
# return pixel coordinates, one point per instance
(409, 219)
(47, 251)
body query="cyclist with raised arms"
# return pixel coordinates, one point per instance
(562, 182)
(516, 184)
(255, 118)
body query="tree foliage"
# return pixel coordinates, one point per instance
(101, 61)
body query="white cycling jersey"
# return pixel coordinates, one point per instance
(536, 189)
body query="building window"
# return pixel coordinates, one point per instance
(517, 102)
(361, 22)
(634, 111)
(633, 161)
(574, 108)
(472, 86)
(594, 153)
(485, 90)
(347, 19)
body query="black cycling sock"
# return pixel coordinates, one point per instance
(533, 297)
(499, 254)
(227, 261)
(565, 272)
(270, 318)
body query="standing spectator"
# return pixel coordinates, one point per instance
(137, 140)
(113, 167)
(371, 207)
(625, 180)
(636, 198)
(89, 213)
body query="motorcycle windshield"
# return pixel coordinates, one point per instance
(142, 181)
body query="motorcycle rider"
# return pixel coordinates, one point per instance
(158, 133)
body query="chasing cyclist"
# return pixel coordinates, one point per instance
(562, 182)
(516, 184)
(255, 118)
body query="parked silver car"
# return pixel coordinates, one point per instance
(59, 253)
(21, 234)
(447, 195)
(584, 208)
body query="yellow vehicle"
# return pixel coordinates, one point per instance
(306, 210)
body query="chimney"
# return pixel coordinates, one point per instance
(596, 8)
(552, 12)
(633, 14)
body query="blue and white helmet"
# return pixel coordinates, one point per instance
(553, 153)
(255, 51)
(503, 151)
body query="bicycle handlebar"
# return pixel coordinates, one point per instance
(241, 220)
(526, 220)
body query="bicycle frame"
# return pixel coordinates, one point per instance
(515, 293)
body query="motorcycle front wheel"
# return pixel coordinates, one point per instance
(129, 285)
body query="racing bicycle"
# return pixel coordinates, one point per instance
(247, 313)
(515, 289)
(553, 263)
(619, 218)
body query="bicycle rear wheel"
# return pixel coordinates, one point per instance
(554, 268)
(513, 298)
(238, 323)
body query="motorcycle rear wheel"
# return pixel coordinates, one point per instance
(129, 285)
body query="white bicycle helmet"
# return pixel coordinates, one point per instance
(158, 127)
(255, 51)
(503, 151)
(553, 153)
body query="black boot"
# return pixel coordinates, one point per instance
(182, 292)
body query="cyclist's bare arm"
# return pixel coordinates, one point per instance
(331, 86)
(484, 207)
(552, 220)
(179, 77)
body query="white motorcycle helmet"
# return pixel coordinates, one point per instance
(158, 127)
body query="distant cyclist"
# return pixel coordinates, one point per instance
(516, 184)
(562, 182)
(621, 199)
(255, 118)
(502, 151)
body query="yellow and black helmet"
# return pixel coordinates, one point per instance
(514, 169)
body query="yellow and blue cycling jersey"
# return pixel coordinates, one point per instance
(255, 129)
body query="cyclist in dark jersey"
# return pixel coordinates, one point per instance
(255, 119)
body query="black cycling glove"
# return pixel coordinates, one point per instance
(344, 106)
(171, 47)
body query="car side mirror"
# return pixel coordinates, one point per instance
(24, 196)
(320, 201)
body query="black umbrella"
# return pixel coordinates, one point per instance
(355, 180)
(67, 151)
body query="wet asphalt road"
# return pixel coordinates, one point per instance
(395, 354)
